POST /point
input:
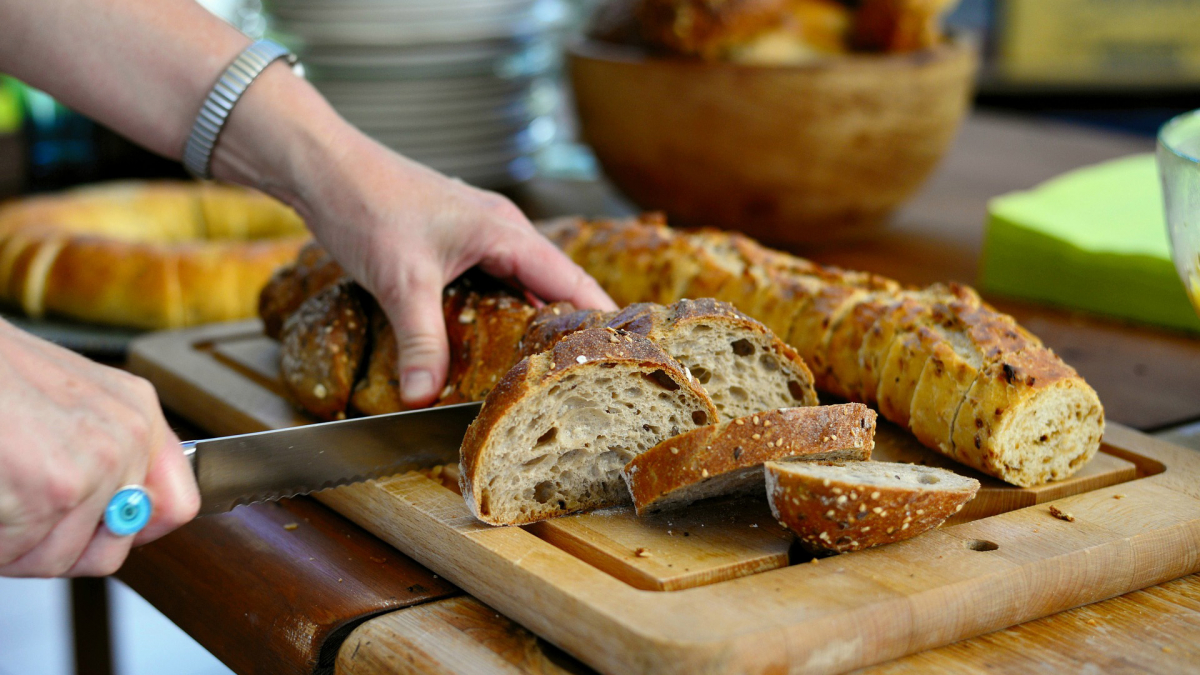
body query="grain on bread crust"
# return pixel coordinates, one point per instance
(555, 432)
(725, 458)
(323, 348)
(313, 271)
(841, 507)
(1028, 419)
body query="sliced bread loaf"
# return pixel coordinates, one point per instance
(855, 505)
(555, 432)
(725, 458)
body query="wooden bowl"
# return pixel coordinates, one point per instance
(788, 154)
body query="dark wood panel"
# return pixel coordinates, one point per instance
(274, 588)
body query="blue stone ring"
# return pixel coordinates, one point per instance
(128, 511)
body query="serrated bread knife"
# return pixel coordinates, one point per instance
(286, 462)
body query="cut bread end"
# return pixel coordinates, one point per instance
(725, 458)
(841, 507)
(1029, 419)
(553, 435)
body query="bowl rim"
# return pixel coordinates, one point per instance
(1171, 146)
(588, 47)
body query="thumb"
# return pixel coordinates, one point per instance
(415, 312)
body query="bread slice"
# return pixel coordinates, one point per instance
(742, 365)
(1028, 419)
(725, 458)
(555, 432)
(972, 337)
(323, 348)
(840, 507)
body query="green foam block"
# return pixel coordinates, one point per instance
(1094, 239)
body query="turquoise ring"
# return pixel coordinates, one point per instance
(128, 511)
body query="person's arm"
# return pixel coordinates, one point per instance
(74, 433)
(143, 67)
(79, 430)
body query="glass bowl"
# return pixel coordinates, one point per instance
(1179, 169)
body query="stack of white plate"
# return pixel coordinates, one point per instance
(464, 86)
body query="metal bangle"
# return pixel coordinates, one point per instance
(197, 154)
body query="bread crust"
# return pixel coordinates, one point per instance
(717, 451)
(323, 349)
(378, 391)
(313, 271)
(838, 516)
(1029, 381)
(586, 351)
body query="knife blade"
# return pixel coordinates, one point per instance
(281, 463)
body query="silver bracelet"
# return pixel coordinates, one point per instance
(197, 154)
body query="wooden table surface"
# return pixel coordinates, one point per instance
(266, 598)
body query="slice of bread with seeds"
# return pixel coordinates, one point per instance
(726, 458)
(841, 507)
(555, 432)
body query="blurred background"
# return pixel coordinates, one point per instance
(482, 96)
(477, 90)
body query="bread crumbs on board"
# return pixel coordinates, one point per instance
(291, 526)
(1062, 515)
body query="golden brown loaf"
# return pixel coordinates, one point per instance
(145, 255)
(967, 379)
(339, 352)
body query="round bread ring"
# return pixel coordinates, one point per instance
(145, 255)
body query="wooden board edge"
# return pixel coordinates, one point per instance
(523, 577)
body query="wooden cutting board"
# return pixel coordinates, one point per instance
(720, 588)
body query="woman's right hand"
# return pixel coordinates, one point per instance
(74, 433)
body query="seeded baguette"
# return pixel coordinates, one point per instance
(1028, 419)
(555, 432)
(842, 507)
(895, 330)
(726, 458)
(968, 341)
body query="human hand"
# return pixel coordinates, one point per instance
(400, 229)
(83, 431)
(414, 231)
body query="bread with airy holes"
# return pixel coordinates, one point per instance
(555, 432)
(726, 458)
(841, 507)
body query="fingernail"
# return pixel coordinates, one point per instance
(416, 385)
